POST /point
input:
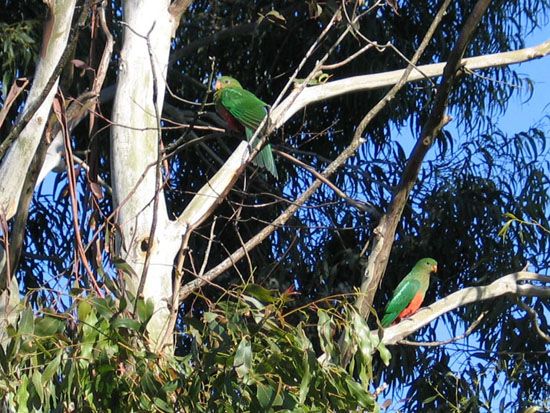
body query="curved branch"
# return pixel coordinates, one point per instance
(508, 284)
(363, 83)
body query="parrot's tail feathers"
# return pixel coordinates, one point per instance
(265, 160)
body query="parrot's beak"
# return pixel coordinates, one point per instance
(218, 85)
(434, 268)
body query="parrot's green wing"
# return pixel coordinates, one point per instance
(402, 296)
(249, 111)
(243, 106)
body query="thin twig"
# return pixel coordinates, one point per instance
(534, 318)
(208, 246)
(5, 273)
(349, 58)
(175, 303)
(59, 109)
(360, 205)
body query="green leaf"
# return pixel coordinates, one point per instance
(148, 383)
(128, 323)
(306, 380)
(26, 322)
(84, 308)
(103, 307)
(162, 405)
(145, 403)
(365, 339)
(243, 358)
(36, 379)
(22, 395)
(261, 293)
(145, 309)
(170, 386)
(48, 326)
(324, 329)
(430, 399)
(3, 360)
(265, 395)
(385, 354)
(123, 266)
(51, 369)
(363, 397)
(209, 316)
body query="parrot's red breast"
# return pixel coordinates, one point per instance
(415, 304)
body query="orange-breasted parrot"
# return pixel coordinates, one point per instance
(410, 292)
(243, 111)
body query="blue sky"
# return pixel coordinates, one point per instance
(523, 114)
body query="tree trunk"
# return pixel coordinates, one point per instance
(20, 154)
(18, 158)
(134, 152)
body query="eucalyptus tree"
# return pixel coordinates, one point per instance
(119, 181)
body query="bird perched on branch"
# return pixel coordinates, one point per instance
(409, 294)
(243, 112)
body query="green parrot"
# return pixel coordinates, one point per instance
(243, 111)
(410, 292)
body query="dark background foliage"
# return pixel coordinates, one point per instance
(474, 175)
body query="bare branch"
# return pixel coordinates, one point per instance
(374, 81)
(384, 233)
(349, 58)
(508, 284)
(534, 318)
(360, 205)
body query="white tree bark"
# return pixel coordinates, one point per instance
(18, 158)
(20, 154)
(134, 140)
(514, 284)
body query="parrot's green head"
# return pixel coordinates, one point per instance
(426, 264)
(226, 81)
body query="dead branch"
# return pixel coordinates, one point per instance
(360, 205)
(534, 318)
(375, 81)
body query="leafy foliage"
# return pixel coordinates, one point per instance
(19, 47)
(243, 353)
(242, 356)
